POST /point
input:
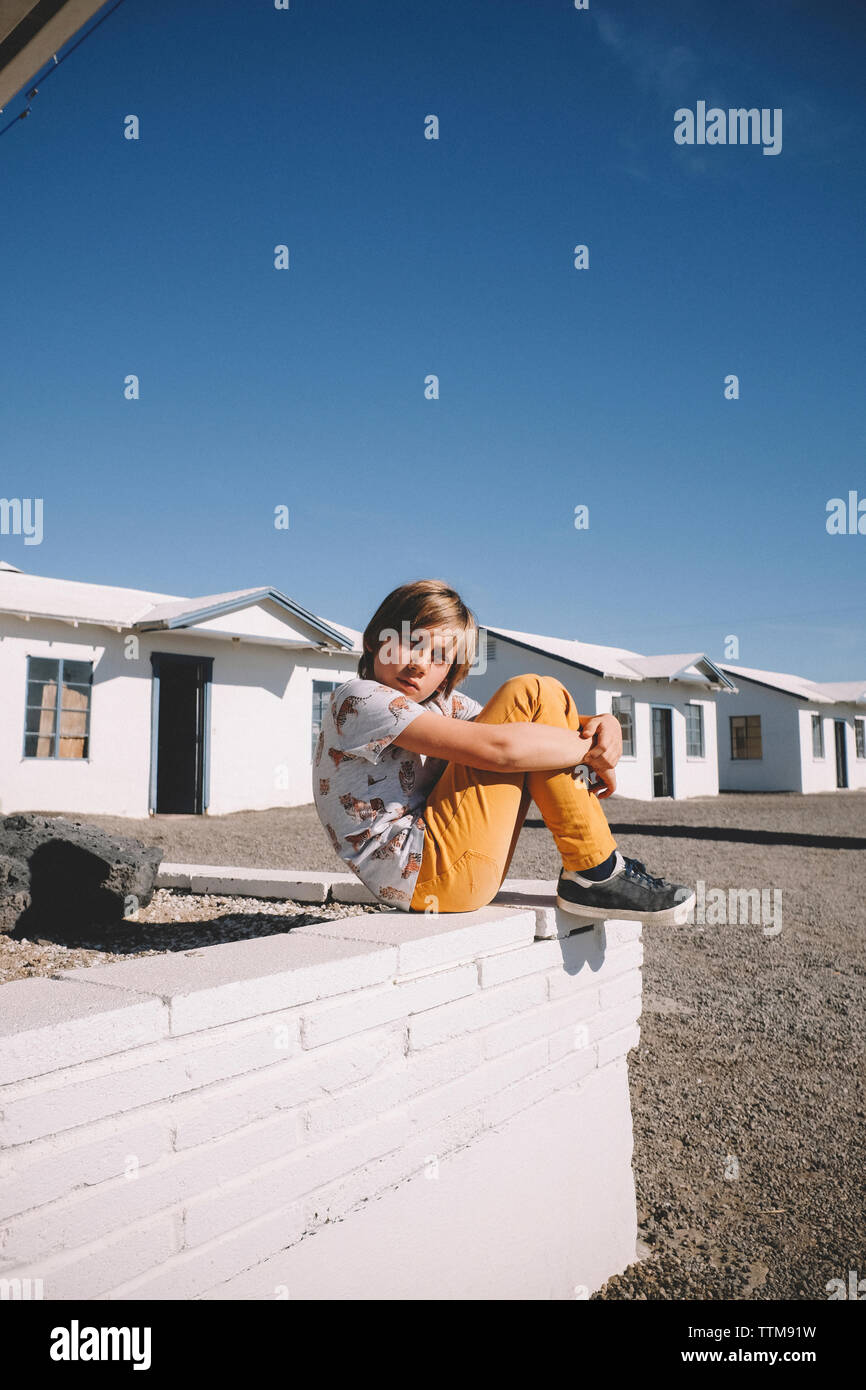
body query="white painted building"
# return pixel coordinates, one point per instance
(665, 704)
(124, 702)
(786, 733)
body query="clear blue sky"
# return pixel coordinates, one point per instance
(558, 387)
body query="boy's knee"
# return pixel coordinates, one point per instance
(525, 682)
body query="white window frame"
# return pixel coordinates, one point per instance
(696, 757)
(822, 756)
(618, 695)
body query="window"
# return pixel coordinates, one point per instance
(321, 695)
(746, 736)
(817, 736)
(57, 713)
(860, 737)
(694, 731)
(489, 646)
(622, 708)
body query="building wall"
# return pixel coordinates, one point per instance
(261, 712)
(856, 766)
(386, 1106)
(692, 776)
(779, 768)
(819, 774)
(786, 728)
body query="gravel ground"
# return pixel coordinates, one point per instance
(748, 1087)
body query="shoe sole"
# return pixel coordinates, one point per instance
(667, 917)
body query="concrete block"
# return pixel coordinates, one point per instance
(97, 1213)
(616, 1045)
(32, 1175)
(224, 1107)
(569, 1070)
(443, 1061)
(618, 931)
(189, 1274)
(73, 1103)
(551, 1020)
(397, 1000)
(293, 885)
(346, 888)
(108, 1261)
(275, 1038)
(173, 875)
(422, 1155)
(46, 1024)
(426, 942)
(573, 1025)
(250, 1196)
(619, 959)
(486, 1007)
(502, 966)
(475, 1089)
(242, 979)
(623, 986)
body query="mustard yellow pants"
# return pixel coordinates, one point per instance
(473, 818)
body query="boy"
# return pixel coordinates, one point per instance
(423, 792)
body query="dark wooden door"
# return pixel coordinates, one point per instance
(841, 754)
(181, 734)
(663, 761)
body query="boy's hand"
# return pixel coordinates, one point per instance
(606, 750)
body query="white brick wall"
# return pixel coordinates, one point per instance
(171, 1125)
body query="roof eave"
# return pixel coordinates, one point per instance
(191, 617)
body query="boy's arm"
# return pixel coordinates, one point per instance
(495, 747)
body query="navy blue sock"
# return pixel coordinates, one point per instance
(601, 870)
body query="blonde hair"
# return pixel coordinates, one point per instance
(425, 603)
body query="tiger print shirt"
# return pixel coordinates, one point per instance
(369, 792)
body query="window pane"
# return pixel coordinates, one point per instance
(694, 731)
(322, 691)
(39, 721)
(35, 746)
(75, 696)
(73, 723)
(622, 708)
(43, 668)
(745, 735)
(73, 747)
(42, 693)
(80, 672)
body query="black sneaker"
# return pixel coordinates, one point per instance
(633, 894)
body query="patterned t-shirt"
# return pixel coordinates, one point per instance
(370, 793)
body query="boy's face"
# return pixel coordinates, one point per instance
(418, 667)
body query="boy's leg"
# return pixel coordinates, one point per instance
(473, 817)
